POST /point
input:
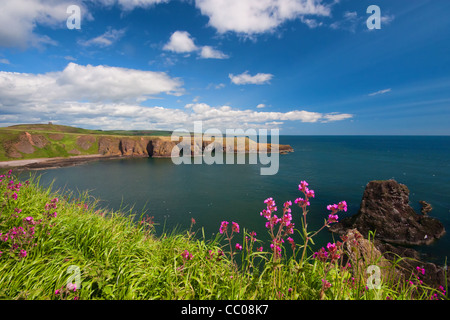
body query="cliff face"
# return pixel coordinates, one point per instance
(26, 143)
(34, 145)
(162, 147)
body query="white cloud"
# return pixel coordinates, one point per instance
(4, 61)
(245, 78)
(257, 16)
(132, 4)
(208, 52)
(89, 83)
(387, 19)
(116, 115)
(108, 98)
(311, 23)
(19, 19)
(70, 58)
(380, 92)
(350, 22)
(334, 116)
(106, 39)
(128, 5)
(182, 42)
(260, 106)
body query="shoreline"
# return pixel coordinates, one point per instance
(59, 162)
(53, 163)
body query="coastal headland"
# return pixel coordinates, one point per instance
(43, 146)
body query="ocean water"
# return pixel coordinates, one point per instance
(336, 167)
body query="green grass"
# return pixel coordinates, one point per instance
(118, 258)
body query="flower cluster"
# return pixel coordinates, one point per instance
(65, 293)
(49, 207)
(335, 208)
(186, 255)
(21, 237)
(11, 187)
(49, 214)
(285, 225)
(21, 232)
(223, 227)
(210, 256)
(234, 229)
(276, 247)
(419, 271)
(304, 202)
(285, 221)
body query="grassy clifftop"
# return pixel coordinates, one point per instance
(29, 141)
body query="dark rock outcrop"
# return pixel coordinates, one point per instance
(407, 260)
(426, 207)
(385, 210)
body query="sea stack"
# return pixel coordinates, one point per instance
(385, 210)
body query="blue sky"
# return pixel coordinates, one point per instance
(303, 66)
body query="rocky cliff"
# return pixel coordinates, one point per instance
(162, 147)
(29, 145)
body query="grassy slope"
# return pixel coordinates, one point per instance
(61, 147)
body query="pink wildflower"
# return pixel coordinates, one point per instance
(325, 284)
(309, 193)
(332, 218)
(235, 227)
(342, 206)
(287, 204)
(186, 255)
(223, 227)
(302, 186)
(302, 202)
(442, 290)
(420, 270)
(291, 241)
(72, 287)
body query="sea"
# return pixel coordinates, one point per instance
(337, 168)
